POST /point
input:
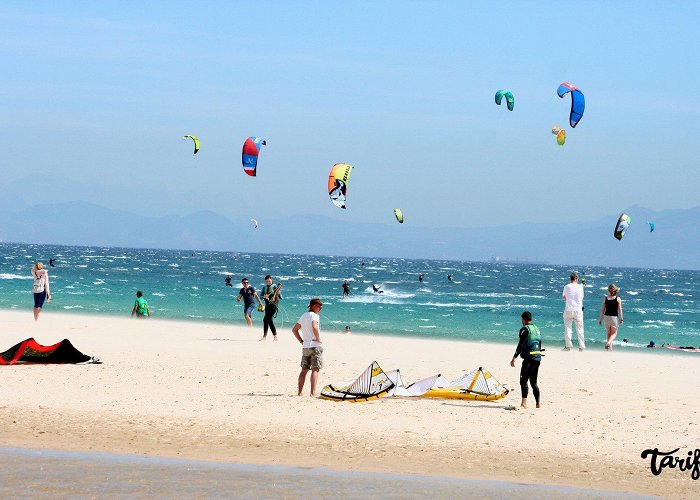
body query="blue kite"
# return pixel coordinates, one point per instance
(578, 103)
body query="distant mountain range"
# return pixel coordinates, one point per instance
(673, 244)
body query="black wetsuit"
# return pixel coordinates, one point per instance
(227, 280)
(346, 289)
(530, 367)
(270, 311)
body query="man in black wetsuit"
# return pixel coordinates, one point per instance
(271, 296)
(346, 288)
(227, 280)
(420, 277)
(530, 349)
(377, 289)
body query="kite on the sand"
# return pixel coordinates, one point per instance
(30, 351)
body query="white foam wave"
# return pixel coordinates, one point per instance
(632, 293)
(659, 322)
(72, 307)
(372, 299)
(10, 276)
(500, 295)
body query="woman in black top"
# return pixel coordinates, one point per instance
(611, 312)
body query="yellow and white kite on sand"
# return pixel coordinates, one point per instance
(375, 383)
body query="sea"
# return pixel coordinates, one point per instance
(482, 302)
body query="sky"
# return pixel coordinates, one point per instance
(97, 96)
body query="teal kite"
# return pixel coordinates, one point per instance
(510, 100)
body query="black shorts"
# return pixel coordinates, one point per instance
(39, 299)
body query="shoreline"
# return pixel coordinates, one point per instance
(213, 392)
(596, 342)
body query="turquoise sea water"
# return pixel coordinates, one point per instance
(482, 304)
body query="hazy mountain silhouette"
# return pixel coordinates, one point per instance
(673, 244)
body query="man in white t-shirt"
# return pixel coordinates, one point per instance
(573, 312)
(310, 339)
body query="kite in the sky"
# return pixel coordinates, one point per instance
(251, 149)
(338, 181)
(651, 226)
(510, 100)
(399, 215)
(622, 224)
(254, 223)
(195, 140)
(561, 135)
(578, 103)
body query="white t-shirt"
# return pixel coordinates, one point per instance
(307, 331)
(574, 297)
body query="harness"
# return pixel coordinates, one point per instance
(534, 342)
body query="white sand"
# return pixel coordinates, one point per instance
(205, 391)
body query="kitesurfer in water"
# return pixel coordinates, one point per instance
(346, 288)
(420, 277)
(530, 349)
(449, 277)
(377, 289)
(227, 280)
(249, 296)
(310, 339)
(51, 261)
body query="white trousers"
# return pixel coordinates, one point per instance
(577, 318)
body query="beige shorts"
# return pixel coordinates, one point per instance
(312, 358)
(610, 321)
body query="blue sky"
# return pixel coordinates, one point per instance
(98, 95)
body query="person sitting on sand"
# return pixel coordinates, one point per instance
(141, 309)
(530, 349)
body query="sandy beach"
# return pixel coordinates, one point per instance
(214, 392)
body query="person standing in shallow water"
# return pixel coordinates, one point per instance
(611, 312)
(141, 309)
(40, 288)
(346, 288)
(530, 349)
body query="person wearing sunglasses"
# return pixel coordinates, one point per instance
(310, 340)
(249, 296)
